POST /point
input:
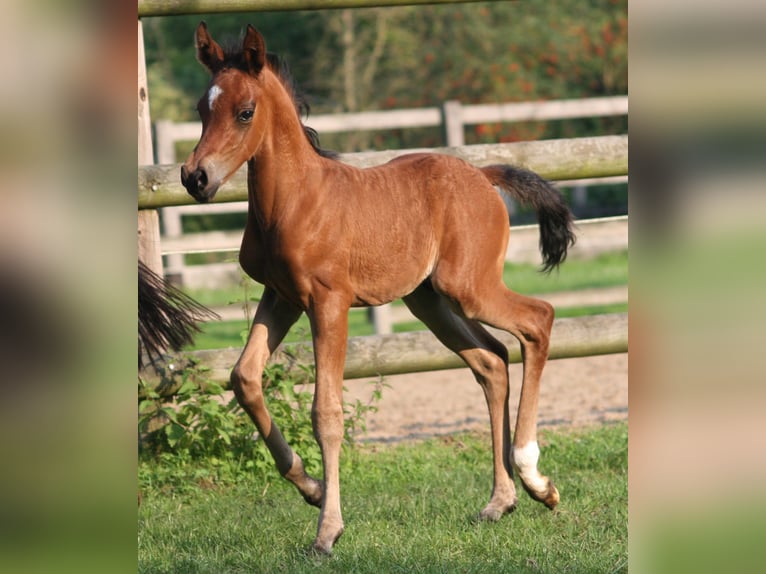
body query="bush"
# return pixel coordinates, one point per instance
(200, 438)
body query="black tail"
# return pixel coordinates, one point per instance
(167, 317)
(553, 214)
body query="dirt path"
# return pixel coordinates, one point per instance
(575, 392)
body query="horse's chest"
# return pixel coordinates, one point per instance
(266, 258)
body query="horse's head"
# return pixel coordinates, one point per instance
(232, 127)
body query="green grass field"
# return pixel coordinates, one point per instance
(606, 270)
(407, 508)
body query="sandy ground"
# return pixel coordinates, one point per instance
(574, 392)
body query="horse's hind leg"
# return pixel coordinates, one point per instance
(530, 321)
(488, 360)
(531, 324)
(273, 319)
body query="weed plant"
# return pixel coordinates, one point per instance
(201, 436)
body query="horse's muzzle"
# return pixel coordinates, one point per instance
(197, 184)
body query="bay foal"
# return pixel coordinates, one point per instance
(323, 236)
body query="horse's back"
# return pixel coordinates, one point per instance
(455, 192)
(443, 175)
(413, 212)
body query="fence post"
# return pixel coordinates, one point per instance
(579, 198)
(171, 216)
(166, 145)
(382, 320)
(452, 114)
(148, 219)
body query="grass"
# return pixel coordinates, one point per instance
(407, 508)
(222, 334)
(605, 270)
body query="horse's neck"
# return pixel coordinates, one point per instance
(276, 181)
(279, 174)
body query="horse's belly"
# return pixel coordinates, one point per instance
(381, 281)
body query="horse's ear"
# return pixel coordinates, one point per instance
(254, 49)
(209, 53)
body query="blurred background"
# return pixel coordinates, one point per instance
(698, 183)
(697, 134)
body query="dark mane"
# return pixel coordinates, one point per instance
(280, 68)
(233, 58)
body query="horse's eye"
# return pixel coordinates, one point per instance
(245, 116)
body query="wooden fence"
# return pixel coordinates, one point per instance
(452, 117)
(383, 355)
(159, 186)
(575, 158)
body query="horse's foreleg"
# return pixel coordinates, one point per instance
(273, 319)
(329, 326)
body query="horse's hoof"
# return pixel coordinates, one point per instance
(320, 551)
(553, 497)
(323, 547)
(549, 498)
(494, 512)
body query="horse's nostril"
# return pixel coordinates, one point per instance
(195, 182)
(201, 178)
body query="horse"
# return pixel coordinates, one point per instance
(323, 236)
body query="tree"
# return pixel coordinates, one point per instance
(415, 56)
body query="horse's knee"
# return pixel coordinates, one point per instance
(546, 316)
(327, 419)
(490, 365)
(247, 390)
(501, 351)
(536, 329)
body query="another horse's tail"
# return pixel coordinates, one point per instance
(553, 214)
(167, 317)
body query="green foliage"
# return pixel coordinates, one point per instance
(199, 437)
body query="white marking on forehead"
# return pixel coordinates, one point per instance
(212, 95)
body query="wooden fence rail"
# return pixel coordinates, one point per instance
(180, 7)
(383, 355)
(523, 247)
(453, 117)
(576, 158)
